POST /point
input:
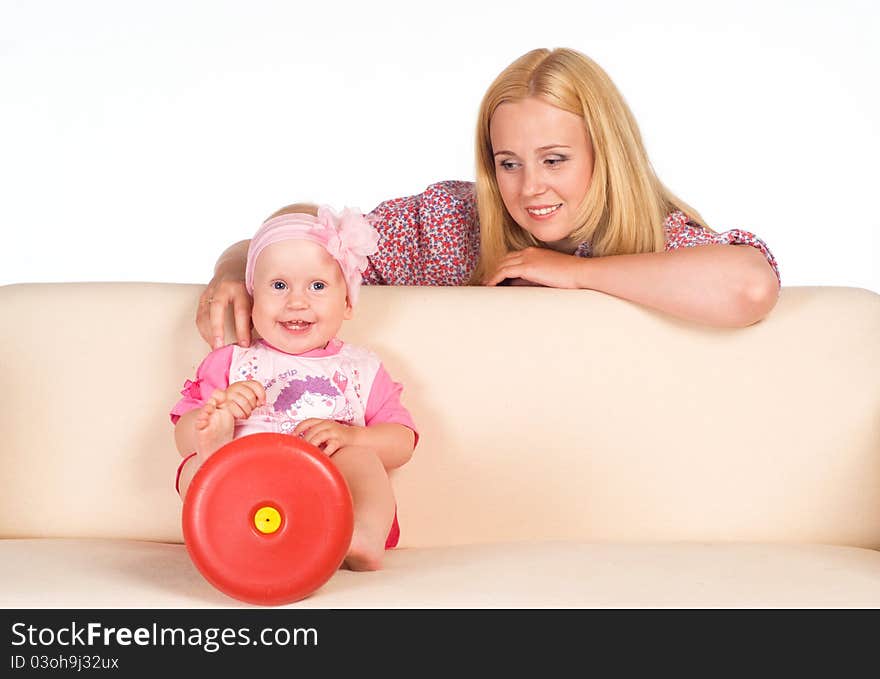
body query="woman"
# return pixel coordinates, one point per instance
(565, 197)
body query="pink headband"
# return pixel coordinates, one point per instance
(349, 238)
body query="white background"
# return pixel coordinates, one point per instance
(139, 139)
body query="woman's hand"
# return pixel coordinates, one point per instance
(539, 266)
(211, 314)
(328, 435)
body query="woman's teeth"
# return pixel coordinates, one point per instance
(540, 212)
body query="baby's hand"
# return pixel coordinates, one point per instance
(240, 398)
(329, 435)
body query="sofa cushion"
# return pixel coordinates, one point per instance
(92, 573)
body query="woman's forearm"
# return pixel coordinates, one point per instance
(231, 263)
(720, 285)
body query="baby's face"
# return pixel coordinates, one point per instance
(300, 298)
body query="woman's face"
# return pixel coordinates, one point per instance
(543, 165)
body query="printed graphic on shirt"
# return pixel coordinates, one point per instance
(333, 387)
(248, 370)
(313, 396)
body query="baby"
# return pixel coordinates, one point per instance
(303, 272)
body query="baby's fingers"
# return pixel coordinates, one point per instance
(327, 440)
(218, 397)
(243, 400)
(243, 393)
(305, 425)
(316, 435)
(332, 446)
(257, 390)
(237, 411)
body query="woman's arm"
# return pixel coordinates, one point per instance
(720, 285)
(225, 289)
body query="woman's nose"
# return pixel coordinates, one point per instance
(533, 181)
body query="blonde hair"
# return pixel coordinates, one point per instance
(626, 204)
(295, 208)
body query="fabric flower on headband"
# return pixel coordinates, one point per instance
(355, 239)
(348, 237)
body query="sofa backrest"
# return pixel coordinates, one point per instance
(543, 414)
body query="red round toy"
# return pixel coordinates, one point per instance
(268, 519)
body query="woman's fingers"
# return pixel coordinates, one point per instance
(211, 314)
(217, 312)
(504, 272)
(241, 314)
(203, 317)
(510, 266)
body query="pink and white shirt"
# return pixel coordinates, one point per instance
(340, 382)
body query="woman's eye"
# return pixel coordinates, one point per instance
(507, 164)
(279, 285)
(555, 161)
(318, 286)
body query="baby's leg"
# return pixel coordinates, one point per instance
(374, 506)
(214, 428)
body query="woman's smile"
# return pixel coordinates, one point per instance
(543, 211)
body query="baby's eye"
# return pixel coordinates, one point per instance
(317, 286)
(279, 285)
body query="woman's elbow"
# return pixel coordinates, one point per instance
(756, 295)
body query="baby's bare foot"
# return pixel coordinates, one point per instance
(214, 428)
(366, 551)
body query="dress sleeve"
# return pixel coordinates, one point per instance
(383, 403)
(684, 233)
(213, 373)
(432, 238)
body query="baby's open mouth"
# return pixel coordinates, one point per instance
(297, 326)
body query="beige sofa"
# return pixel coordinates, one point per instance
(576, 451)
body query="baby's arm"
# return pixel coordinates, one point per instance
(392, 443)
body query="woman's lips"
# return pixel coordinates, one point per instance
(543, 211)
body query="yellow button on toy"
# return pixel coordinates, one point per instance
(267, 519)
